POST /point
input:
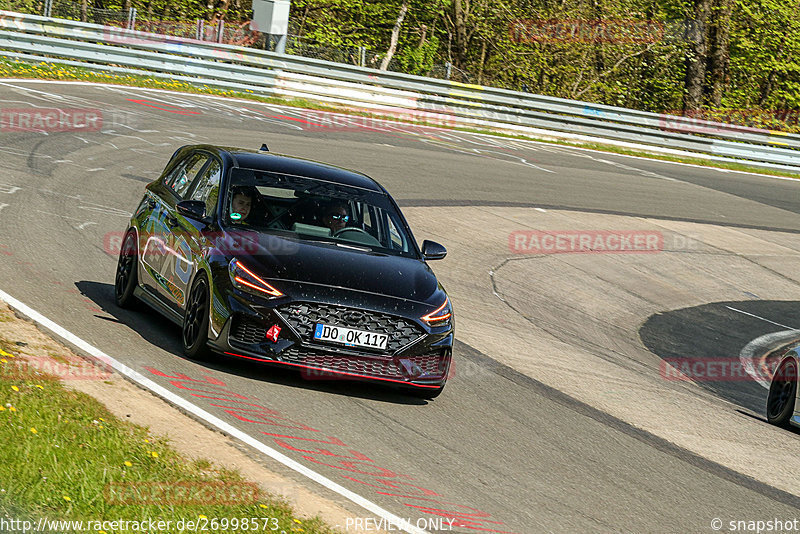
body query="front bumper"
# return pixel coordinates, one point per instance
(416, 356)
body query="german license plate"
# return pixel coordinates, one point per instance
(350, 336)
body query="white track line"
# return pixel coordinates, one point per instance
(206, 416)
(765, 320)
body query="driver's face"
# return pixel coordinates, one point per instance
(335, 219)
(241, 204)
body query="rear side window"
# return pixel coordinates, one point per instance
(207, 187)
(184, 174)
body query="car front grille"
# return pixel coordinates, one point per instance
(248, 331)
(304, 316)
(432, 365)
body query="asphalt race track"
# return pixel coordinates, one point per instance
(562, 415)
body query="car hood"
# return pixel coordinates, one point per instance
(278, 258)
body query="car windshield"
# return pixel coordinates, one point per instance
(315, 210)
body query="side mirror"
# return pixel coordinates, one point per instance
(193, 209)
(432, 250)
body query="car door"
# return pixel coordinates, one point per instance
(165, 253)
(189, 241)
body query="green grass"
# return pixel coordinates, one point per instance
(61, 448)
(55, 71)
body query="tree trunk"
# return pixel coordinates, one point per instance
(720, 54)
(395, 35)
(599, 60)
(696, 57)
(460, 15)
(766, 89)
(483, 61)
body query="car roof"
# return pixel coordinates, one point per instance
(269, 161)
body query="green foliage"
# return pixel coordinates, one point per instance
(418, 60)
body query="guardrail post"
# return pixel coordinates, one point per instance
(220, 30)
(131, 18)
(280, 46)
(48, 8)
(200, 33)
(449, 68)
(362, 56)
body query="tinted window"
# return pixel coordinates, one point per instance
(315, 210)
(184, 174)
(207, 186)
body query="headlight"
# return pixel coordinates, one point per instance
(246, 280)
(440, 316)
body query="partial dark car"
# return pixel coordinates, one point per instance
(291, 262)
(782, 406)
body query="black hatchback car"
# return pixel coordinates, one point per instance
(287, 261)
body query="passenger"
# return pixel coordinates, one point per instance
(242, 201)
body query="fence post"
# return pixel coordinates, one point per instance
(48, 8)
(200, 33)
(449, 67)
(280, 46)
(131, 18)
(220, 30)
(362, 56)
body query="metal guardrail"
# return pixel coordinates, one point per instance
(36, 38)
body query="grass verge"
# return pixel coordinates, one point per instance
(55, 71)
(65, 457)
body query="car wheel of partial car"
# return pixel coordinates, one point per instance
(126, 279)
(195, 320)
(782, 392)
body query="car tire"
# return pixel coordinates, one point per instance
(126, 277)
(194, 331)
(782, 393)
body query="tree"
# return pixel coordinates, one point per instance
(697, 56)
(395, 34)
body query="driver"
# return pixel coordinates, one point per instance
(335, 217)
